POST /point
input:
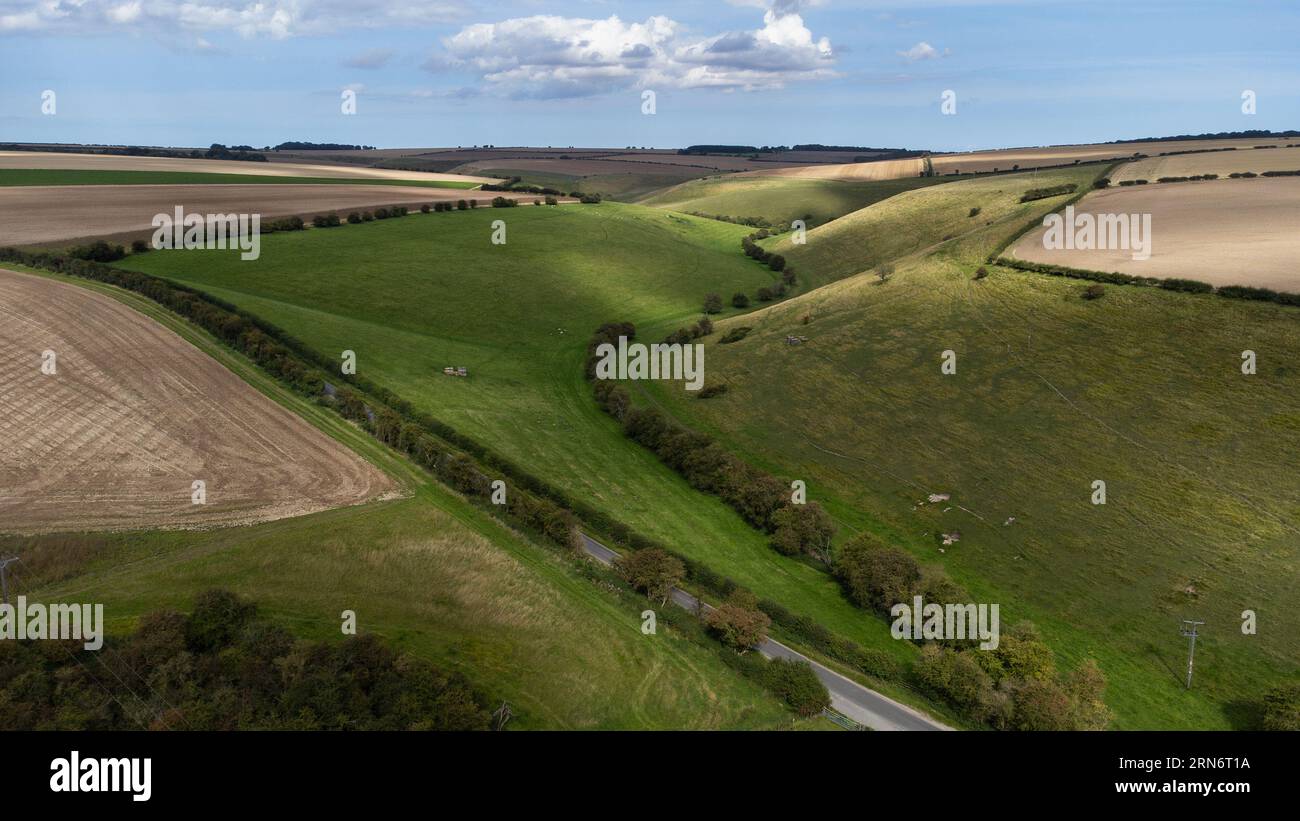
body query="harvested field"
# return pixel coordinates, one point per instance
(134, 415)
(879, 170)
(1222, 163)
(1224, 232)
(34, 215)
(113, 162)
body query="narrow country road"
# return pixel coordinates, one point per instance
(864, 706)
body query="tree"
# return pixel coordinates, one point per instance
(776, 262)
(875, 575)
(712, 303)
(738, 622)
(805, 528)
(765, 294)
(798, 685)
(652, 571)
(739, 300)
(704, 327)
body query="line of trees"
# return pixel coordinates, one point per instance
(224, 667)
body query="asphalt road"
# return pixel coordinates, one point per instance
(867, 707)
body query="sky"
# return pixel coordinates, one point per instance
(576, 73)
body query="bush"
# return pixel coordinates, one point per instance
(803, 529)
(1102, 182)
(712, 303)
(381, 213)
(738, 623)
(1051, 191)
(739, 300)
(711, 391)
(139, 246)
(652, 571)
(424, 209)
(503, 202)
(876, 576)
(974, 212)
(981, 272)
(776, 262)
(354, 218)
(326, 221)
(98, 251)
(797, 684)
(552, 200)
(765, 294)
(461, 205)
(1094, 292)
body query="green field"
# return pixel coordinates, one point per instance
(431, 573)
(40, 176)
(416, 294)
(781, 199)
(1141, 388)
(919, 219)
(628, 187)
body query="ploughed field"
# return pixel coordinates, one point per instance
(132, 415)
(1224, 232)
(32, 215)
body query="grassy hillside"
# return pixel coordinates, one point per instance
(430, 572)
(413, 295)
(69, 176)
(628, 187)
(781, 199)
(1141, 388)
(915, 220)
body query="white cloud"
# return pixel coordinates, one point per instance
(548, 56)
(922, 51)
(248, 18)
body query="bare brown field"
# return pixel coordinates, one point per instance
(849, 172)
(1222, 163)
(33, 215)
(1224, 232)
(113, 162)
(134, 415)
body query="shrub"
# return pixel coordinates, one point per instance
(739, 300)
(589, 199)
(981, 272)
(461, 205)
(1102, 182)
(884, 271)
(711, 391)
(776, 262)
(712, 303)
(803, 529)
(552, 200)
(765, 294)
(1094, 292)
(502, 202)
(354, 218)
(473, 203)
(876, 576)
(98, 251)
(139, 246)
(325, 221)
(424, 209)
(368, 216)
(381, 213)
(797, 684)
(974, 212)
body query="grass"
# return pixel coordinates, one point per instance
(431, 573)
(626, 187)
(413, 295)
(781, 199)
(40, 176)
(915, 220)
(1141, 388)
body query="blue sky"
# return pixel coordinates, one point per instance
(461, 72)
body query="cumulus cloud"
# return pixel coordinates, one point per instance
(548, 56)
(248, 18)
(922, 51)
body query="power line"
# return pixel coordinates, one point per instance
(1190, 633)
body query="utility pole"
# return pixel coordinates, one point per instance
(4, 578)
(1189, 630)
